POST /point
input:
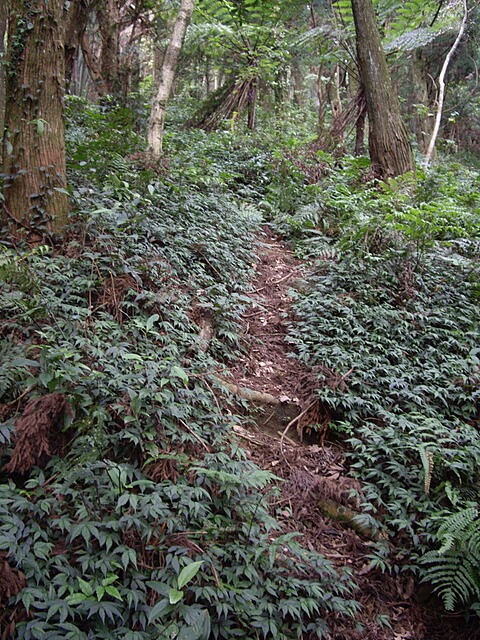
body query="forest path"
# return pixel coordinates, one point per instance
(268, 367)
(316, 493)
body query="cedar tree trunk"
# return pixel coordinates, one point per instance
(167, 76)
(76, 25)
(3, 30)
(390, 148)
(34, 149)
(419, 102)
(108, 19)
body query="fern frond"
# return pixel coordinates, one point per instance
(118, 163)
(428, 464)
(14, 270)
(453, 570)
(319, 34)
(343, 9)
(458, 523)
(418, 13)
(411, 40)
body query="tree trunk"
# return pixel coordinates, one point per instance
(34, 150)
(93, 65)
(419, 102)
(167, 77)
(297, 83)
(441, 82)
(322, 98)
(3, 30)
(163, 27)
(76, 25)
(252, 105)
(360, 127)
(109, 27)
(390, 148)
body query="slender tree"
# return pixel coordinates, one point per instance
(441, 82)
(166, 79)
(34, 171)
(390, 148)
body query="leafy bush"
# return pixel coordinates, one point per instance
(389, 321)
(141, 518)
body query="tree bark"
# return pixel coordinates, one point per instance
(419, 104)
(163, 27)
(360, 127)
(390, 148)
(76, 24)
(108, 18)
(3, 30)
(167, 76)
(93, 65)
(34, 150)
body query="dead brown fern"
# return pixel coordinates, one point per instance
(115, 289)
(12, 581)
(34, 430)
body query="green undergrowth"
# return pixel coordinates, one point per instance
(141, 517)
(389, 320)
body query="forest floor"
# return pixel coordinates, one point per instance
(316, 492)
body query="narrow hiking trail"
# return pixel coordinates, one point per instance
(288, 435)
(268, 366)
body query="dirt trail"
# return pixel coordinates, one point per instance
(316, 495)
(267, 367)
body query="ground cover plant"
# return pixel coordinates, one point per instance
(168, 469)
(127, 510)
(389, 321)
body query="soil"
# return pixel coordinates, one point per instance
(316, 492)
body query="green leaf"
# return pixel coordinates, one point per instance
(178, 372)
(175, 596)
(85, 587)
(40, 126)
(132, 356)
(23, 362)
(159, 587)
(161, 608)
(113, 591)
(76, 598)
(99, 592)
(188, 572)
(151, 321)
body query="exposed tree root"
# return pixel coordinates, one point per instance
(248, 394)
(347, 516)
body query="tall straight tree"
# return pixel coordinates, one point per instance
(390, 148)
(3, 30)
(34, 169)
(166, 78)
